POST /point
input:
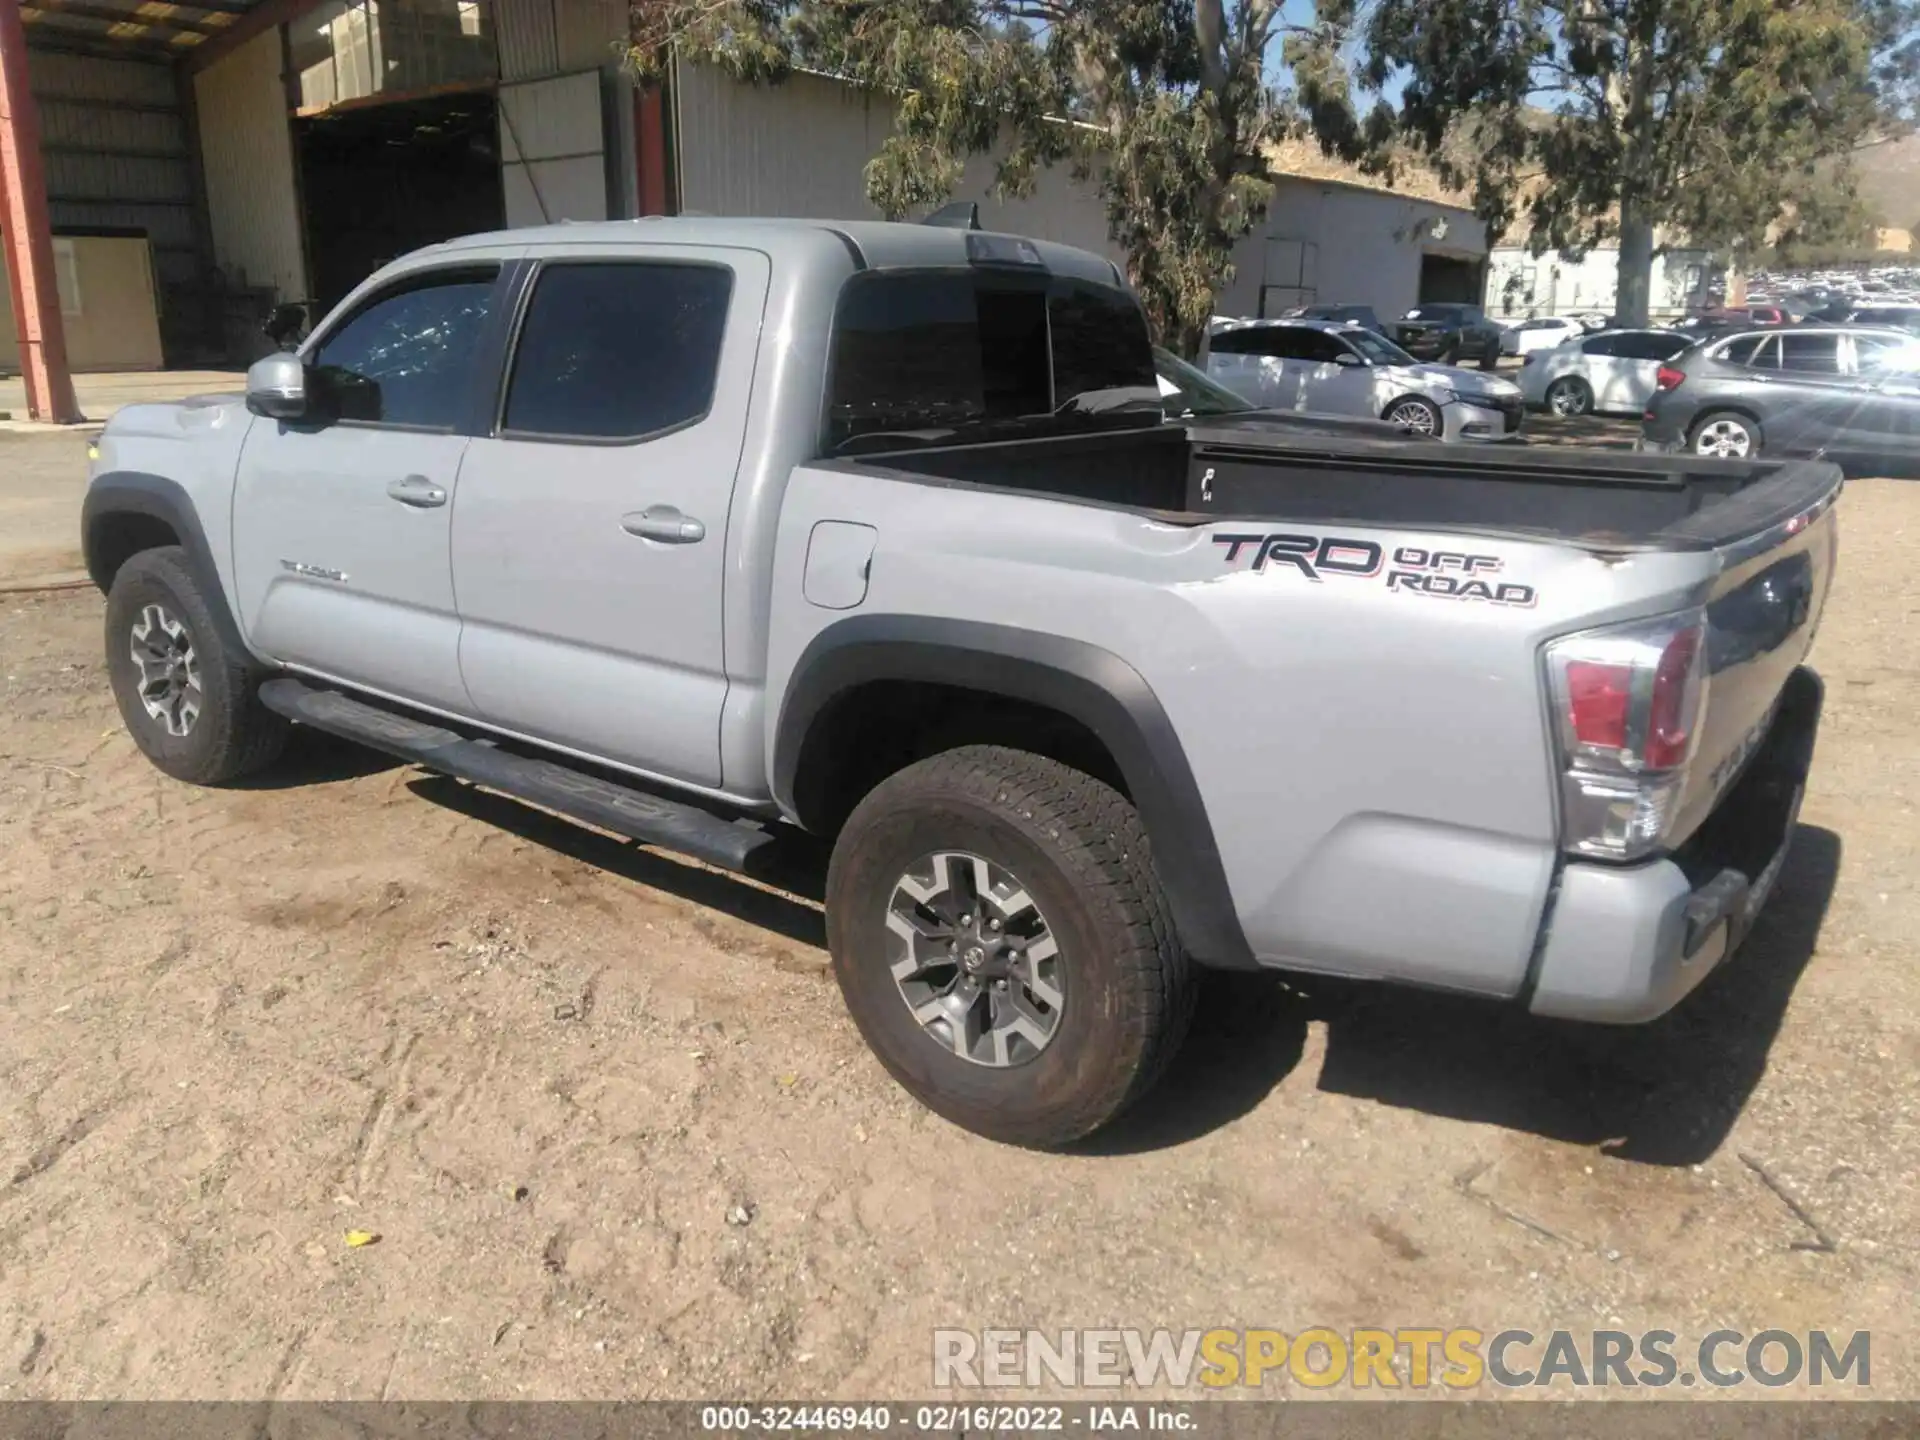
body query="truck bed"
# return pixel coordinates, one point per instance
(1248, 468)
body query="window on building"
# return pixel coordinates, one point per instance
(618, 351)
(66, 275)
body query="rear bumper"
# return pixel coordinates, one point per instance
(1627, 943)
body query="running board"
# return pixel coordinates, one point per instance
(636, 814)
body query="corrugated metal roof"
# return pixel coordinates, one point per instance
(154, 29)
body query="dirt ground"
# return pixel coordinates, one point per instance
(554, 1073)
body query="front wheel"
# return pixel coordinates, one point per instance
(186, 696)
(1724, 435)
(1002, 942)
(1411, 413)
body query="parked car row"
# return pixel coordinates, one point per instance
(1341, 368)
(1850, 393)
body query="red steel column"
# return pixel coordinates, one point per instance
(650, 148)
(29, 234)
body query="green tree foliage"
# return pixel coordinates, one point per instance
(1166, 104)
(1724, 123)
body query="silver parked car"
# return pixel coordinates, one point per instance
(1612, 373)
(1340, 369)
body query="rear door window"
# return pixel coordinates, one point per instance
(1647, 345)
(1813, 353)
(618, 350)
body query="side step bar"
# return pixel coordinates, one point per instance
(636, 814)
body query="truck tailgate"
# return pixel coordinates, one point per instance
(1761, 617)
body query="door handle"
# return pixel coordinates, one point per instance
(417, 491)
(664, 523)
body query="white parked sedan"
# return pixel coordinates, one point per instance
(1612, 373)
(1324, 367)
(1526, 336)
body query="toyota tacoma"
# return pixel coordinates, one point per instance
(705, 532)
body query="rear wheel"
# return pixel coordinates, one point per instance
(1724, 435)
(1410, 412)
(1570, 396)
(1003, 944)
(187, 698)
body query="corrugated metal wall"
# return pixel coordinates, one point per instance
(541, 37)
(527, 34)
(800, 149)
(116, 153)
(247, 153)
(1343, 245)
(553, 149)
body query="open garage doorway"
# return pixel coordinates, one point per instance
(1448, 278)
(379, 180)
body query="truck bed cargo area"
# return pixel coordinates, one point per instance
(1243, 468)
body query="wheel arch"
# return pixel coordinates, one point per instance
(1089, 687)
(1715, 408)
(128, 511)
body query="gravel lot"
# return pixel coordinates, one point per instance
(555, 1073)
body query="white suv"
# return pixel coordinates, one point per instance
(1344, 369)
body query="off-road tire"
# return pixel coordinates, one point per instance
(233, 734)
(1081, 852)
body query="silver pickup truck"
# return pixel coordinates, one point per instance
(704, 531)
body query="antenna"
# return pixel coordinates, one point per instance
(960, 215)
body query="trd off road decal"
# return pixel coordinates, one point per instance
(1414, 569)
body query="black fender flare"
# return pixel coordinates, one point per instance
(134, 492)
(1082, 681)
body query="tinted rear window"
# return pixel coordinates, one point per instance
(934, 348)
(1817, 353)
(618, 350)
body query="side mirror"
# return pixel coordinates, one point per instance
(285, 323)
(277, 387)
(1348, 359)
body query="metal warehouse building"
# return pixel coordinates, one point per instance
(175, 168)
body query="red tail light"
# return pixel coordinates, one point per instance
(1669, 379)
(1672, 711)
(1630, 698)
(1598, 697)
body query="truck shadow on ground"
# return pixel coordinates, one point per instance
(1665, 1093)
(313, 757)
(790, 909)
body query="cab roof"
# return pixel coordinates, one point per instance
(875, 244)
